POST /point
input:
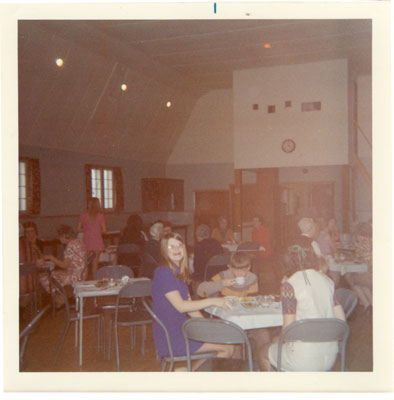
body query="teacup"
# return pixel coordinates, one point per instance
(111, 282)
(240, 280)
(125, 279)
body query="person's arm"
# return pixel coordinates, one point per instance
(339, 313)
(209, 288)
(188, 306)
(64, 264)
(288, 319)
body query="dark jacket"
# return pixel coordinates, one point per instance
(203, 251)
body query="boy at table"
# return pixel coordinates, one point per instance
(237, 280)
(228, 283)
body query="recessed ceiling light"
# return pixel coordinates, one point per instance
(168, 104)
(267, 45)
(124, 87)
(59, 62)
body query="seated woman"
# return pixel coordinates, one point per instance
(223, 234)
(362, 283)
(172, 302)
(30, 251)
(324, 238)
(306, 293)
(72, 267)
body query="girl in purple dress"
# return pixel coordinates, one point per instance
(172, 302)
(92, 224)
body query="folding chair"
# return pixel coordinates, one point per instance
(215, 331)
(316, 330)
(216, 264)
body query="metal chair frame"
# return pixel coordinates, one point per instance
(215, 331)
(248, 245)
(218, 260)
(348, 299)
(171, 359)
(133, 318)
(71, 316)
(316, 330)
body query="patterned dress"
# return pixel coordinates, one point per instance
(76, 252)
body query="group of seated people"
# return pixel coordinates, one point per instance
(306, 291)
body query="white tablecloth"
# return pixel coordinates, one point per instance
(347, 266)
(254, 318)
(232, 247)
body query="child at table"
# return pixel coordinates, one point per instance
(237, 280)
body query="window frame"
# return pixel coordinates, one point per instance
(32, 186)
(89, 191)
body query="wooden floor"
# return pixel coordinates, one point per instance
(41, 348)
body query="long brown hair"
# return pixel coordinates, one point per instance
(184, 265)
(94, 206)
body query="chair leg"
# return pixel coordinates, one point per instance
(117, 347)
(163, 366)
(143, 335)
(109, 339)
(61, 340)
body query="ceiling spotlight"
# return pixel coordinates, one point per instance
(168, 104)
(267, 45)
(59, 62)
(124, 87)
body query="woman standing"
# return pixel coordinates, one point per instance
(306, 293)
(172, 302)
(92, 224)
(73, 265)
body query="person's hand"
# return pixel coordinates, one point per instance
(284, 279)
(228, 282)
(220, 302)
(48, 257)
(40, 262)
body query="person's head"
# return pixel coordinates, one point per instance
(257, 221)
(156, 231)
(65, 233)
(167, 227)
(94, 205)
(298, 258)
(202, 232)
(173, 252)
(223, 223)
(30, 231)
(307, 226)
(240, 264)
(134, 223)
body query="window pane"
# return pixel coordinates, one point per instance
(22, 167)
(22, 204)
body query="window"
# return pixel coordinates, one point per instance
(105, 183)
(29, 186)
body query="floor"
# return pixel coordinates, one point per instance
(41, 348)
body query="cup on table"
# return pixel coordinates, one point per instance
(111, 282)
(240, 280)
(125, 279)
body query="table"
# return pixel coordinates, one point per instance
(232, 247)
(347, 267)
(83, 289)
(251, 318)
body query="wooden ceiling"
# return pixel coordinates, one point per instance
(80, 107)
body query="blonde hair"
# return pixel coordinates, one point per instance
(184, 264)
(94, 206)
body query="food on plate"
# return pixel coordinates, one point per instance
(102, 282)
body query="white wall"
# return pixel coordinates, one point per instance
(321, 136)
(364, 114)
(208, 134)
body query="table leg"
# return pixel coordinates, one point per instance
(80, 330)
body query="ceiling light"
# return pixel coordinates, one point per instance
(267, 45)
(59, 62)
(124, 87)
(168, 104)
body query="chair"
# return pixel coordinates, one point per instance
(108, 304)
(24, 335)
(316, 330)
(249, 245)
(171, 359)
(26, 271)
(215, 331)
(132, 317)
(130, 254)
(71, 316)
(216, 264)
(149, 264)
(348, 299)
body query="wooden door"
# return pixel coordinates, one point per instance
(209, 205)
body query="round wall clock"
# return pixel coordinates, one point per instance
(288, 145)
